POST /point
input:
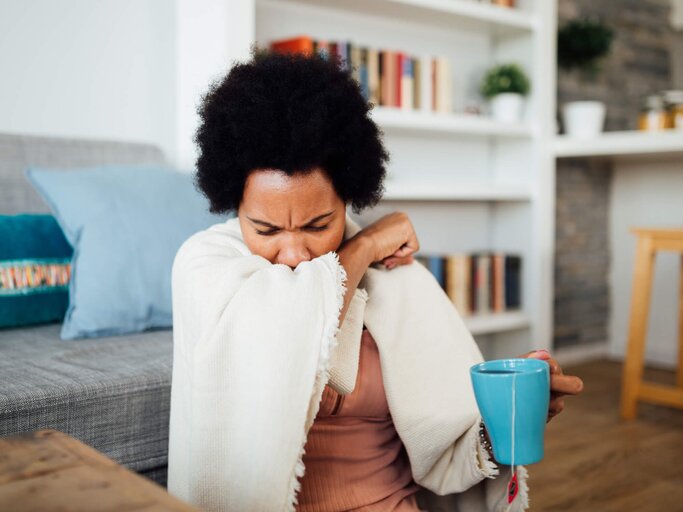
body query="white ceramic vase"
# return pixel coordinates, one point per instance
(506, 107)
(583, 119)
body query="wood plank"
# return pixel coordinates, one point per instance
(48, 471)
(661, 394)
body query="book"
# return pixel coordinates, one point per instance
(442, 100)
(383, 83)
(355, 63)
(436, 267)
(361, 54)
(417, 82)
(513, 277)
(373, 76)
(299, 44)
(483, 278)
(406, 82)
(498, 283)
(390, 80)
(457, 281)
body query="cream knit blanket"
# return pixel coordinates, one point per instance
(254, 346)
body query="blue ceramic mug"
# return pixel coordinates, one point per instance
(513, 387)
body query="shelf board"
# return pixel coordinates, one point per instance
(439, 122)
(617, 144)
(496, 322)
(450, 14)
(407, 191)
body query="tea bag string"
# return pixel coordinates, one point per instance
(514, 407)
(512, 482)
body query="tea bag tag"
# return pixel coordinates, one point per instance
(513, 488)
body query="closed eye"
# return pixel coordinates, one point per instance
(307, 228)
(317, 228)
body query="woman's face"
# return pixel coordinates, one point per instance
(290, 219)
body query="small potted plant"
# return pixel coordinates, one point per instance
(505, 86)
(581, 44)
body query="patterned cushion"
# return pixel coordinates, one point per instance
(34, 270)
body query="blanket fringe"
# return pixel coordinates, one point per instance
(491, 470)
(522, 477)
(487, 466)
(322, 376)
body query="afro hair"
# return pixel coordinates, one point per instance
(293, 113)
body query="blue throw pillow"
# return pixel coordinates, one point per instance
(35, 264)
(125, 224)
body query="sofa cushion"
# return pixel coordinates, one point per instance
(35, 264)
(125, 224)
(111, 393)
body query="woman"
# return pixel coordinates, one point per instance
(316, 366)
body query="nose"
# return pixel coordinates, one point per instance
(293, 253)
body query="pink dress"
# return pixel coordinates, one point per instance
(354, 458)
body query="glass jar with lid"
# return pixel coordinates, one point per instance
(674, 104)
(653, 115)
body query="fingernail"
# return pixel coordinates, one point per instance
(542, 351)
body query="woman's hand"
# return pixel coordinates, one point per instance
(560, 384)
(393, 239)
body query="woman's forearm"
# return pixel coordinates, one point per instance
(355, 255)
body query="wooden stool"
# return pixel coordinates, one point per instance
(633, 388)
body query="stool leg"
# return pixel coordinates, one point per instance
(679, 371)
(640, 304)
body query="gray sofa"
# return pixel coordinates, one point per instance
(111, 393)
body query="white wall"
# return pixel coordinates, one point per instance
(645, 194)
(211, 36)
(89, 68)
(130, 70)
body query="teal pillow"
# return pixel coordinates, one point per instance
(125, 224)
(35, 265)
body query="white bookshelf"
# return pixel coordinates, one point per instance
(500, 322)
(467, 182)
(622, 144)
(468, 14)
(404, 190)
(455, 124)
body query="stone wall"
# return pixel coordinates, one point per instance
(639, 64)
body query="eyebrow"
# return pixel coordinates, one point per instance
(312, 221)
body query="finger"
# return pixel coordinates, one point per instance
(399, 259)
(537, 354)
(555, 368)
(556, 405)
(555, 408)
(405, 250)
(393, 261)
(566, 384)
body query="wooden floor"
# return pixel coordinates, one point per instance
(596, 462)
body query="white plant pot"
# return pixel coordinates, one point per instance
(583, 119)
(507, 107)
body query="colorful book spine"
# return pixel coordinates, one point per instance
(373, 76)
(513, 279)
(301, 44)
(406, 82)
(436, 267)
